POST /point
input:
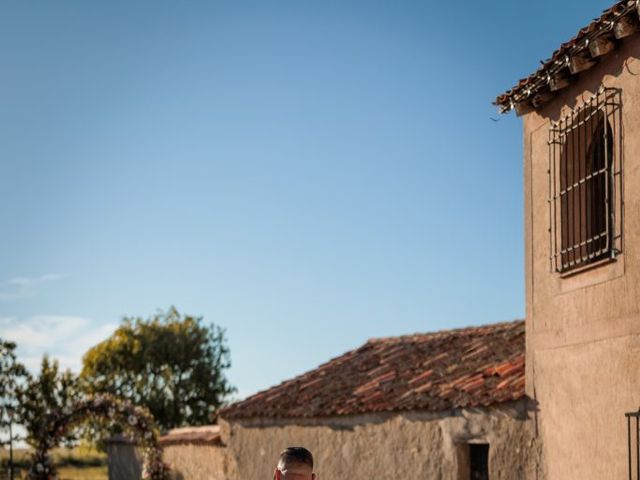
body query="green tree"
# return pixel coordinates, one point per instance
(51, 391)
(172, 364)
(12, 374)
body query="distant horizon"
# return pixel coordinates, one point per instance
(306, 176)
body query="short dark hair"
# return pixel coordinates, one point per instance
(295, 455)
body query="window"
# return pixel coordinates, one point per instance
(584, 177)
(473, 461)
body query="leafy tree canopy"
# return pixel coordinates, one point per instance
(41, 396)
(12, 374)
(172, 364)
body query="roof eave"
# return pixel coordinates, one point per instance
(593, 42)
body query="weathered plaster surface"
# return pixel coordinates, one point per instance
(583, 331)
(198, 462)
(408, 445)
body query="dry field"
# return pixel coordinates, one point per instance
(80, 463)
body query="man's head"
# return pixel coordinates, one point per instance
(295, 463)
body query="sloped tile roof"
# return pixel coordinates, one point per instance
(476, 366)
(615, 23)
(206, 435)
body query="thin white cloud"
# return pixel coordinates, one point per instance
(65, 338)
(21, 287)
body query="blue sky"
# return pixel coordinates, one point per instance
(305, 174)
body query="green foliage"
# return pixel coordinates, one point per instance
(12, 373)
(172, 364)
(50, 392)
(136, 422)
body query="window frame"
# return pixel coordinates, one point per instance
(578, 201)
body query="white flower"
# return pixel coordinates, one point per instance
(132, 420)
(39, 467)
(147, 434)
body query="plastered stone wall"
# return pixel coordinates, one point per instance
(583, 330)
(187, 462)
(198, 462)
(124, 461)
(407, 446)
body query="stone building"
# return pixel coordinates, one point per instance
(465, 404)
(581, 113)
(445, 405)
(196, 453)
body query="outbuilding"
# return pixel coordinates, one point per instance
(446, 405)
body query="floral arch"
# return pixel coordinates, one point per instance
(136, 422)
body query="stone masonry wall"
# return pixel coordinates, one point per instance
(408, 446)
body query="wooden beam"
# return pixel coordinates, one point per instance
(600, 46)
(580, 63)
(541, 98)
(523, 108)
(558, 82)
(624, 27)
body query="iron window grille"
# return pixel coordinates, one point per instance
(633, 444)
(584, 183)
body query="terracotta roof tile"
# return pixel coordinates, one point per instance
(207, 435)
(433, 371)
(558, 64)
(423, 376)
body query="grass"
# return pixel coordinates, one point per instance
(80, 463)
(83, 473)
